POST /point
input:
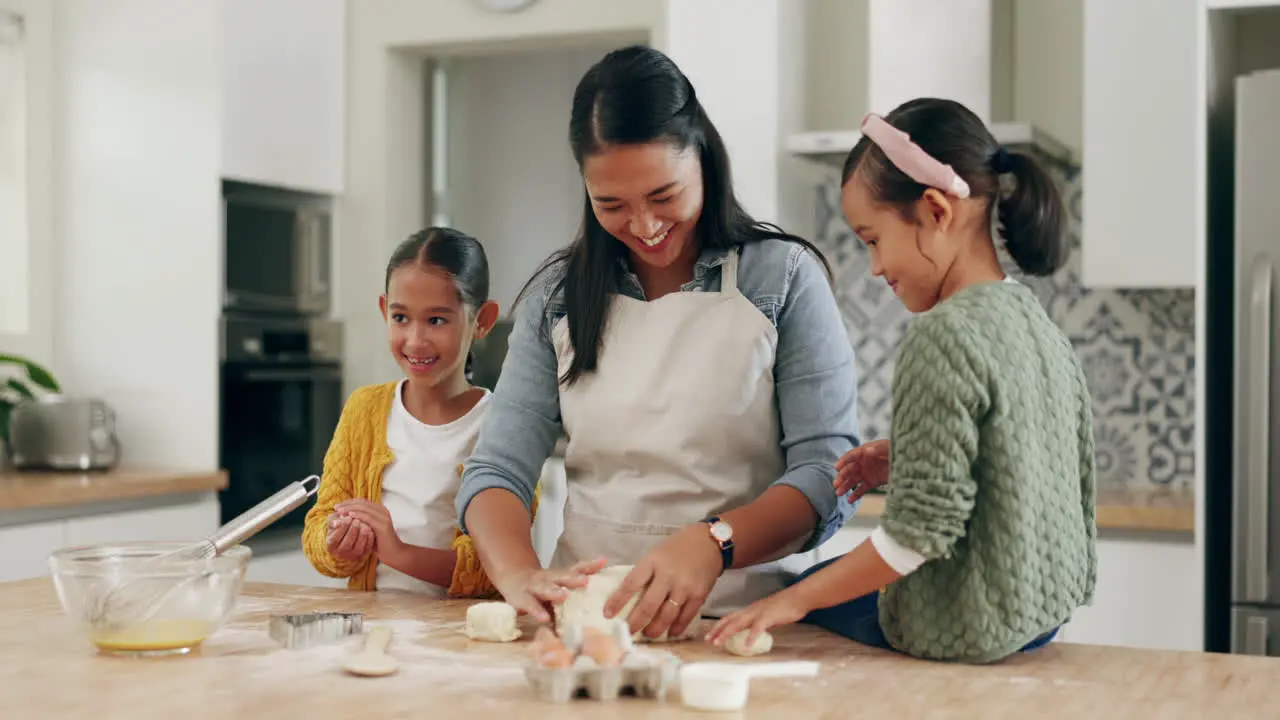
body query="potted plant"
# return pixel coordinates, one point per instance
(16, 387)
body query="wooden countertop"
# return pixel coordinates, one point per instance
(30, 490)
(52, 672)
(1152, 510)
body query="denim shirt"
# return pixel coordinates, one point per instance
(814, 376)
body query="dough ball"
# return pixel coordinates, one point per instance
(584, 607)
(491, 622)
(737, 645)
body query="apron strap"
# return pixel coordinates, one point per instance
(729, 273)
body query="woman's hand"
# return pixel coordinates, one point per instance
(348, 539)
(782, 608)
(534, 590)
(675, 578)
(863, 468)
(378, 519)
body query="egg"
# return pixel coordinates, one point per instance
(602, 648)
(548, 651)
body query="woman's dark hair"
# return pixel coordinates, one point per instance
(637, 95)
(458, 254)
(1032, 216)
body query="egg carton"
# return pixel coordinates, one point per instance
(641, 673)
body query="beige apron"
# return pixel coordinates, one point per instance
(679, 422)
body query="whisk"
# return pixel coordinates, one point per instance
(131, 603)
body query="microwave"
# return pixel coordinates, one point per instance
(277, 251)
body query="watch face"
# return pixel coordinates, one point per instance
(721, 531)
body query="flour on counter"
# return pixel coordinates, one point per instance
(248, 645)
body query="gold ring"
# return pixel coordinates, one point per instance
(673, 602)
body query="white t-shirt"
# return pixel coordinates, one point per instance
(419, 485)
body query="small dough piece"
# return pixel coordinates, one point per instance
(737, 645)
(491, 622)
(585, 606)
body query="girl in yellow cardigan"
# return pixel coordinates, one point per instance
(384, 516)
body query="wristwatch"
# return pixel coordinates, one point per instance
(722, 534)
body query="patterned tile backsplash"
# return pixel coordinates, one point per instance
(1137, 348)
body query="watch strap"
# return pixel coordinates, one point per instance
(726, 546)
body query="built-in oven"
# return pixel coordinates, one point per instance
(277, 255)
(281, 398)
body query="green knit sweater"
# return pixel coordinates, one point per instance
(991, 478)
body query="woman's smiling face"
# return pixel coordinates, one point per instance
(649, 197)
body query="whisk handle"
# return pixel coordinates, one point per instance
(258, 517)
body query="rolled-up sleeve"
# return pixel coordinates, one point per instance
(817, 388)
(522, 424)
(938, 394)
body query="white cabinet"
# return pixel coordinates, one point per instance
(1143, 170)
(1146, 595)
(26, 545)
(26, 549)
(170, 523)
(289, 568)
(284, 82)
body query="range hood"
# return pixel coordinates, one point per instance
(873, 55)
(832, 147)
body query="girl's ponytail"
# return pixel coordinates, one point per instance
(1031, 215)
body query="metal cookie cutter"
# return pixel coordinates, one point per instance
(317, 628)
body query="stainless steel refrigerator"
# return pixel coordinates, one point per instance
(1255, 426)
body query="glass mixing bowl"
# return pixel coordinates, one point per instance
(136, 599)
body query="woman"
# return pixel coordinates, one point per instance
(694, 357)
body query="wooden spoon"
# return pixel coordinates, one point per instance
(373, 660)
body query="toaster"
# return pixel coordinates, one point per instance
(60, 432)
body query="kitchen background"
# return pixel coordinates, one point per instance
(117, 143)
(1137, 348)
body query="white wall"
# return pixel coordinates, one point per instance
(36, 338)
(737, 74)
(135, 285)
(512, 179)
(14, 272)
(387, 185)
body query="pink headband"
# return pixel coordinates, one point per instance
(910, 159)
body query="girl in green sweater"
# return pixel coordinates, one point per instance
(987, 543)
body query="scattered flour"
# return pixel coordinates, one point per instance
(466, 667)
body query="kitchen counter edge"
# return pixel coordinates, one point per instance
(37, 490)
(1163, 511)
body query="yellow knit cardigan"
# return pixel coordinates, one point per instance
(353, 467)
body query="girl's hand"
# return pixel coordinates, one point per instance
(782, 608)
(348, 539)
(863, 468)
(675, 578)
(386, 542)
(535, 590)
